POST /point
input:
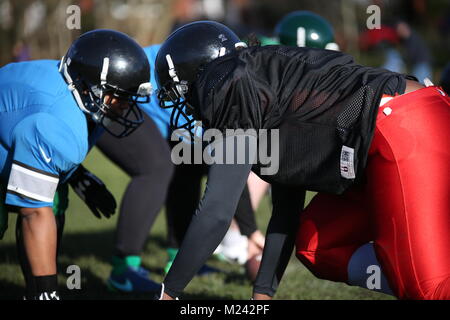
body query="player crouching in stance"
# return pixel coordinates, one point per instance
(384, 171)
(51, 114)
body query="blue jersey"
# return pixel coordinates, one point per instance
(159, 115)
(43, 133)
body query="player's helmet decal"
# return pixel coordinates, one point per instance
(104, 62)
(306, 29)
(181, 59)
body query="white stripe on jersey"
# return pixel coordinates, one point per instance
(32, 184)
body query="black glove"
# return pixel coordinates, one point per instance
(93, 192)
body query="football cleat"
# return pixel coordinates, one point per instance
(134, 279)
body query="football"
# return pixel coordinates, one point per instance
(252, 267)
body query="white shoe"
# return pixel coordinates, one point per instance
(234, 247)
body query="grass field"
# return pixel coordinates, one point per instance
(88, 243)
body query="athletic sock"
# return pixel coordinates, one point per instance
(172, 253)
(46, 287)
(365, 271)
(120, 264)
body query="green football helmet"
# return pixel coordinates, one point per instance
(305, 29)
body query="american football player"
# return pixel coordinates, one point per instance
(359, 135)
(52, 113)
(145, 157)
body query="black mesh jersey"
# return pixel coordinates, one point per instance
(322, 102)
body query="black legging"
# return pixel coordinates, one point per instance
(184, 196)
(145, 157)
(182, 200)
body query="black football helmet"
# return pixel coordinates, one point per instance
(181, 59)
(109, 62)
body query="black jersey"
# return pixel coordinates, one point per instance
(322, 102)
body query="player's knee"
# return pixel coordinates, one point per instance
(307, 252)
(155, 163)
(306, 240)
(28, 215)
(307, 258)
(161, 171)
(34, 213)
(322, 262)
(306, 249)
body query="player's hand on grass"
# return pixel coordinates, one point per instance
(93, 192)
(258, 239)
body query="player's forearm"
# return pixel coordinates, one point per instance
(209, 225)
(39, 236)
(202, 238)
(278, 247)
(280, 238)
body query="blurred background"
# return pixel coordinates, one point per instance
(413, 31)
(414, 38)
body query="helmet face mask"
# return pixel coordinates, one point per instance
(117, 124)
(183, 120)
(174, 96)
(119, 70)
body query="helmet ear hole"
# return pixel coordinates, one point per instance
(145, 89)
(182, 88)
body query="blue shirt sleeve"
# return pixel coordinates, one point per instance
(43, 150)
